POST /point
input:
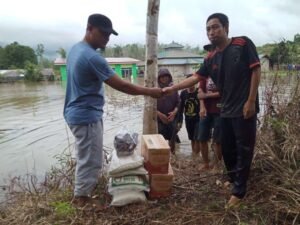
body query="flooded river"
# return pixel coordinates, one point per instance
(33, 131)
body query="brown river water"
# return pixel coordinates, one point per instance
(33, 130)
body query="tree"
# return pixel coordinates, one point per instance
(280, 54)
(135, 50)
(15, 56)
(62, 53)
(2, 66)
(149, 121)
(40, 52)
(47, 63)
(107, 52)
(32, 72)
(118, 52)
(297, 38)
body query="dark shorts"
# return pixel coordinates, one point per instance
(166, 130)
(192, 129)
(210, 126)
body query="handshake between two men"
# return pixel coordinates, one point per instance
(156, 92)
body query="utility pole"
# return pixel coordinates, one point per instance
(149, 120)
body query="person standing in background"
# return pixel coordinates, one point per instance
(190, 107)
(167, 108)
(209, 121)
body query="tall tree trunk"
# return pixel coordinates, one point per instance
(149, 121)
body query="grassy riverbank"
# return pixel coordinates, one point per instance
(273, 197)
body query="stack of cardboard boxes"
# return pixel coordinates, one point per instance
(156, 153)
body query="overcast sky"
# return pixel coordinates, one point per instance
(61, 23)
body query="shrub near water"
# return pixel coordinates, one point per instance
(277, 161)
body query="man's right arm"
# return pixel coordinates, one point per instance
(183, 84)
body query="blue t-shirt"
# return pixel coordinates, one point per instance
(86, 71)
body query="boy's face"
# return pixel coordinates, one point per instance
(164, 79)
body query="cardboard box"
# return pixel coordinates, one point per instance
(156, 152)
(161, 184)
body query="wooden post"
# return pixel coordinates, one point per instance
(149, 121)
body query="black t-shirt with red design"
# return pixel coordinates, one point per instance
(231, 71)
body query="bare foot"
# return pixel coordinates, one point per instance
(234, 202)
(217, 168)
(227, 184)
(204, 167)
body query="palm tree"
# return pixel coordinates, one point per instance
(62, 53)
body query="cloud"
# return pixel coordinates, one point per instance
(62, 23)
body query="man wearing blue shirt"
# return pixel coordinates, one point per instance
(83, 109)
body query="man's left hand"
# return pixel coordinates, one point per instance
(249, 109)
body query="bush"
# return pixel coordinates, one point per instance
(32, 72)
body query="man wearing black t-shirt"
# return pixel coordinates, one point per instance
(234, 66)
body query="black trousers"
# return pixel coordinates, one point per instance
(238, 140)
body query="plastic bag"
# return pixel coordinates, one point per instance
(125, 142)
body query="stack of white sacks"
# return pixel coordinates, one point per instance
(128, 179)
